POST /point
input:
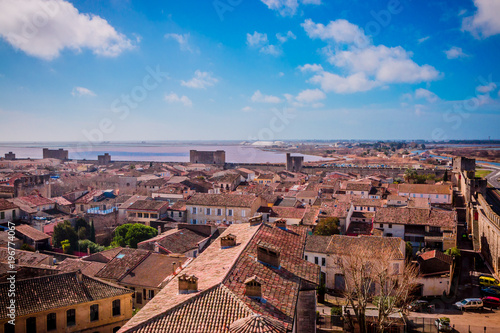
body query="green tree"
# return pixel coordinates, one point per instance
(85, 244)
(66, 246)
(92, 232)
(64, 231)
(82, 233)
(454, 252)
(410, 174)
(27, 247)
(132, 233)
(328, 227)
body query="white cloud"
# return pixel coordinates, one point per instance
(386, 64)
(260, 41)
(310, 96)
(426, 94)
(43, 28)
(183, 40)
(284, 38)
(339, 31)
(81, 91)
(486, 21)
(258, 97)
(423, 39)
(311, 68)
(201, 80)
(288, 7)
(455, 52)
(343, 85)
(174, 98)
(487, 88)
(462, 12)
(257, 39)
(247, 109)
(281, 74)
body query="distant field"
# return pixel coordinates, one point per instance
(482, 173)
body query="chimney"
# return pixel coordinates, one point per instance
(156, 247)
(281, 223)
(159, 229)
(174, 267)
(79, 276)
(256, 220)
(253, 287)
(268, 254)
(228, 241)
(188, 284)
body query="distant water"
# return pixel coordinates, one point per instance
(150, 151)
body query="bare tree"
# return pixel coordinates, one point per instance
(377, 275)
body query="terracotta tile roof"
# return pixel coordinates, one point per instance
(287, 212)
(416, 216)
(222, 200)
(124, 261)
(6, 205)
(211, 267)
(175, 241)
(62, 201)
(56, 291)
(89, 197)
(334, 209)
(438, 255)
(319, 244)
(257, 324)
(425, 189)
(154, 205)
(153, 270)
(179, 206)
(343, 245)
(36, 200)
(311, 215)
(280, 287)
(31, 232)
(104, 256)
(212, 311)
(358, 186)
(89, 268)
(367, 202)
(26, 258)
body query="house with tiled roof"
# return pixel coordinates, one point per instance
(432, 228)
(292, 215)
(221, 208)
(326, 251)
(254, 274)
(435, 273)
(8, 211)
(359, 189)
(68, 302)
(182, 241)
(28, 258)
(437, 194)
(146, 211)
(33, 237)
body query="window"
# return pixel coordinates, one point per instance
(437, 196)
(390, 225)
(81, 208)
(180, 214)
(94, 312)
(151, 294)
(193, 221)
(51, 322)
(31, 325)
(421, 195)
(388, 235)
(70, 317)
(209, 211)
(146, 215)
(230, 212)
(154, 216)
(434, 229)
(193, 210)
(219, 212)
(306, 258)
(323, 262)
(139, 214)
(116, 307)
(243, 213)
(381, 225)
(9, 328)
(316, 260)
(2, 215)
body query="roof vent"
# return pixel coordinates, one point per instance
(253, 287)
(228, 241)
(281, 223)
(188, 284)
(268, 254)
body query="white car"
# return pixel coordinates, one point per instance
(469, 304)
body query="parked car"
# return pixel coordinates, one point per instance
(421, 306)
(488, 281)
(491, 291)
(491, 302)
(469, 304)
(443, 324)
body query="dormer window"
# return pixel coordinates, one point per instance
(228, 241)
(188, 284)
(268, 254)
(253, 287)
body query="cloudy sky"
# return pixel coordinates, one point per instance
(249, 70)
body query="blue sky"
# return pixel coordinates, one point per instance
(249, 70)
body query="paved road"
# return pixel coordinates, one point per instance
(493, 176)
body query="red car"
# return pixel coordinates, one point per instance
(491, 302)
